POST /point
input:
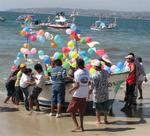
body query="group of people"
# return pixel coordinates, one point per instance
(84, 85)
(23, 82)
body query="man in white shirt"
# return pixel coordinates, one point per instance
(81, 90)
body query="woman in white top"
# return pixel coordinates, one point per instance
(39, 83)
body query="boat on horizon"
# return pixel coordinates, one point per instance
(102, 25)
(60, 21)
(2, 19)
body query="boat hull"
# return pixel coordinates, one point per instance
(45, 96)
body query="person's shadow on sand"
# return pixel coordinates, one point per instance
(8, 109)
(108, 129)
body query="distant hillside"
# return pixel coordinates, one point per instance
(87, 12)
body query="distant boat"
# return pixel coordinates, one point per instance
(2, 19)
(28, 20)
(60, 21)
(100, 25)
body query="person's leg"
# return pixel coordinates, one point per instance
(126, 97)
(60, 97)
(81, 121)
(26, 102)
(105, 117)
(73, 115)
(131, 95)
(30, 102)
(18, 89)
(9, 92)
(53, 101)
(6, 99)
(140, 89)
(98, 119)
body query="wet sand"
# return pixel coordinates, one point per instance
(20, 123)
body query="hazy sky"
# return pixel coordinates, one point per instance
(121, 5)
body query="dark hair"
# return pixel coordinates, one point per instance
(131, 53)
(58, 62)
(38, 67)
(80, 63)
(27, 70)
(139, 59)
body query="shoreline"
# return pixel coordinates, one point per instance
(20, 123)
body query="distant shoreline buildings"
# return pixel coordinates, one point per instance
(87, 12)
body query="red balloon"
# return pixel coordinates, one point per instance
(88, 39)
(100, 52)
(65, 50)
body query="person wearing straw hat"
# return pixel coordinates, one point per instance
(99, 87)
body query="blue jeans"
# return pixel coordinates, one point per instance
(58, 93)
(26, 94)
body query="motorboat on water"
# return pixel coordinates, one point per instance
(60, 21)
(28, 20)
(100, 25)
(2, 19)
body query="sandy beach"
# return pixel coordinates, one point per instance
(20, 123)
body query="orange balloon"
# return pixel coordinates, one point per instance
(71, 37)
(27, 46)
(41, 32)
(53, 44)
(22, 32)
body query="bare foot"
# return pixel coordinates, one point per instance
(77, 129)
(98, 123)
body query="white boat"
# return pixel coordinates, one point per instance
(2, 19)
(45, 96)
(59, 21)
(101, 25)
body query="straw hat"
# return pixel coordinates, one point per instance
(22, 65)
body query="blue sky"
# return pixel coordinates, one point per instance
(119, 5)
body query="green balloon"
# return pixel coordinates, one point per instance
(49, 69)
(66, 65)
(83, 41)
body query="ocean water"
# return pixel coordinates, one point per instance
(129, 36)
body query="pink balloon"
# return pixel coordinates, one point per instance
(13, 68)
(101, 52)
(41, 32)
(68, 31)
(26, 51)
(33, 38)
(88, 39)
(33, 51)
(88, 66)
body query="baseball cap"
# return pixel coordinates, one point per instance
(129, 57)
(22, 65)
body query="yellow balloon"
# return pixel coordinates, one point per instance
(74, 55)
(21, 49)
(74, 65)
(71, 44)
(92, 71)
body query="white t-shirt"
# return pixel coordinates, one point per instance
(39, 80)
(23, 79)
(82, 77)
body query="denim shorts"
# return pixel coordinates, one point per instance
(58, 93)
(101, 106)
(10, 89)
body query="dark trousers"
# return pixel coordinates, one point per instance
(26, 94)
(130, 90)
